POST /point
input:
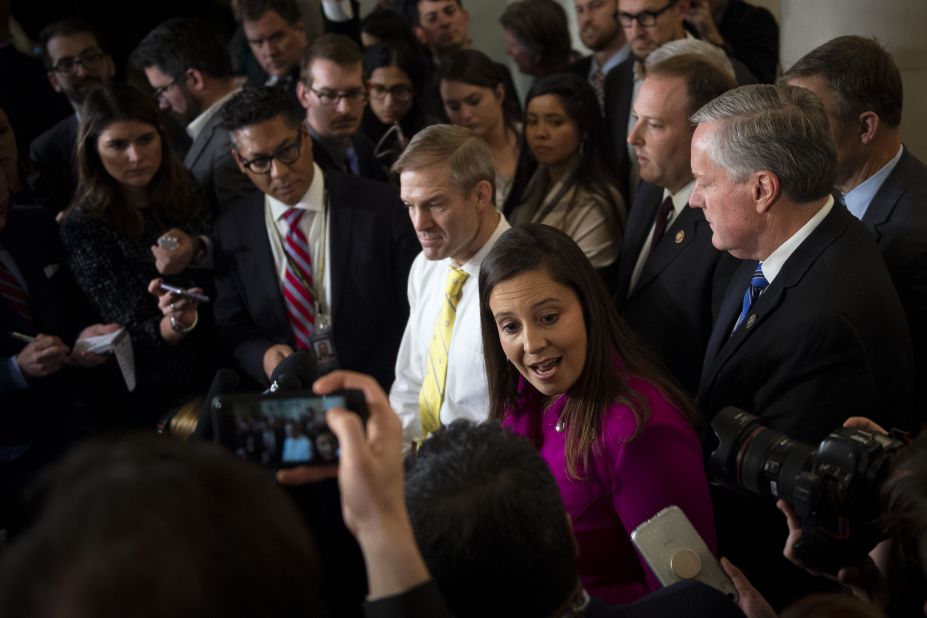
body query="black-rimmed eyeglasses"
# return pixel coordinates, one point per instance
(647, 19)
(286, 154)
(91, 61)
(333, 97)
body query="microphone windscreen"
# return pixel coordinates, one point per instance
(226, 381)
(300, 365)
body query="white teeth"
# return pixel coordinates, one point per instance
(546, 365)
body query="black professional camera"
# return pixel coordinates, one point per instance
(834, 488)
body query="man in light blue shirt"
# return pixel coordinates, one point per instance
(882, 183)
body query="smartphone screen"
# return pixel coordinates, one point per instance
(279, 431)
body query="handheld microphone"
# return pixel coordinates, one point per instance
(295, 372)
(225, 382)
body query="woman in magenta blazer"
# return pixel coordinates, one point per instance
(565, 371)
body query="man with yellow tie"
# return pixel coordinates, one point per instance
(447, 184)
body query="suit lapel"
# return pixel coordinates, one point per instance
(199, 145)
(678, 236)
(341, 216)
(723, 344)
(880, 209)
(259, 269)
(646, 204)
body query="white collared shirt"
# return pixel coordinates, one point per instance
(196, 126)
(680, 200)
(777, 259)
(314, 225)
(466, 390)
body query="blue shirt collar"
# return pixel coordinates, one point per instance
(617, 58)
(860, 196)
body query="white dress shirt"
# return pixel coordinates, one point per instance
(777, 259)
(314, 225)
(466, 393)
(199, 123)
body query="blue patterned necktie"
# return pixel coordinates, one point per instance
(758, 283)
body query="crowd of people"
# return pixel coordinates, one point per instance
(546, 303)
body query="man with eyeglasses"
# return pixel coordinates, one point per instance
(647, 25)
(312, 254)
(191, 74)
(76, 63)
(331, 88)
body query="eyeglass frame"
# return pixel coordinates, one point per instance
(621, 16)
(297, 148)
(339, 94)
(410, 94)
(160, 92)
(87, 60)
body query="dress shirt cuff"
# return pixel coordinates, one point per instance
(337, 10)
(18, 380)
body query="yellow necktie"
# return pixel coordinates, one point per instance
(432, 393)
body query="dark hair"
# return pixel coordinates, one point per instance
(180, 44)
(476, 68)
(536, 247)
(66, 27)
(581, 105)
(253, 10)
(861, 75)
(336, 48)
(252, 106)
(541, 27)
(98, 194)
(388, 25)
(704, 80)
(412, 9)
(394, 54)
(153, 527)
(489, 521)
(831, 605)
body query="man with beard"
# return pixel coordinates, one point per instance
(331, 88)
(599, 31)
(191, 73)
(76, 62)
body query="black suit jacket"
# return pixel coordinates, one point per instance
(677, 296)
(31, 238)
(54, 154)
(369, 166)
(210, 161)
(581, 67)
(751, 35)
(372, 245)
(827, 340)
(897, 216)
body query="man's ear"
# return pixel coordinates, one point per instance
(421, 35)
(238, 161)
(303, 94)
(766, 189)
(194, 80)
(868, 126)
(53, 80)
(483, 190)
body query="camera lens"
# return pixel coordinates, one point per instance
(749, 455)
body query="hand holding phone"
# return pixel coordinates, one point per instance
(185, 293)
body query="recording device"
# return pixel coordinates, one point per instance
(295, 372)
(282, 429)
(197, 296)
(833, 488)
(675, 551)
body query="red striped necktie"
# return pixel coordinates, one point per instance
(298, 282)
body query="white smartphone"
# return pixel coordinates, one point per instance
(675, 551)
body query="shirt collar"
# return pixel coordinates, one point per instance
(472, 266)
(313, 200)
(776, 260)
(860, 196)
(199, 123)
(617, 58)
(680, 198)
